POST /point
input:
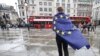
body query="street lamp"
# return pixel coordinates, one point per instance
(26, 8)
(16, 5)
(26, 4)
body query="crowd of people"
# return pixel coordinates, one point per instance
(87, 27)
(5, 26)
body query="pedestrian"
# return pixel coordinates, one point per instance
(60, 43)
(80, 26)
(16, 25)
(92, 27)
(88, 26)
(28, 26)
(95, 25)
(3, 26)
(1, 23)
(67, 33)
(84, 28)
(7, 26)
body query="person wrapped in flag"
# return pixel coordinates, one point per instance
(67, 33)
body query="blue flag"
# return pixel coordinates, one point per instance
(63, 27)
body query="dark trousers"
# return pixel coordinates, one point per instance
(88, 28)
(92, 29)
(62, 45)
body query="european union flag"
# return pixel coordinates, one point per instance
(63, 26)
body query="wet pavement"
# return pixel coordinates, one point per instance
(21, 42)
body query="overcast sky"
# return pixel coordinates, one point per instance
(9, 2)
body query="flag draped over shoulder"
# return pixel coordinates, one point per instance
(63, 27)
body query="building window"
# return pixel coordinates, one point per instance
(63, 5)
(68, 5)
(45, 3)
(19, 7)
(68, 10)
(41, 9)
(50, 14)
(74, 11)
(50, 3)
(83, 14)
(46, 14)
(23, 13)
(74, 0)
(57, 4)
(40, 3)
(45, 9)
(58, 0)
(20, 14)
(32, 1)
(68, 0)
(50, 9)
(21, 2)
(79, 14)
(63, 0)
(27, 1)
(41, 13)
(74, 5)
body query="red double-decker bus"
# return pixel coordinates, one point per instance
(41, 21)
(46, 21)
